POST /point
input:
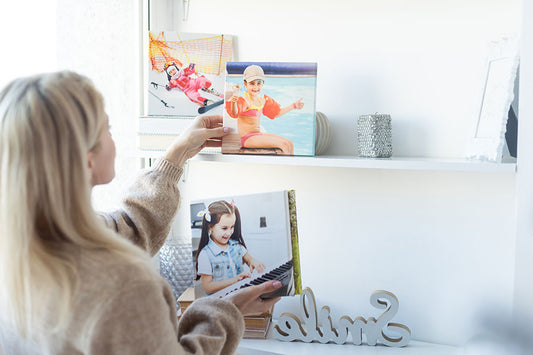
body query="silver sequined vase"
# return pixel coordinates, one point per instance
(176, 265)
(374, 136)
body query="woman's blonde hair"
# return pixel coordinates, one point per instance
(48, 124)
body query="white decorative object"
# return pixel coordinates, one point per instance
(313, 328)
(323, 133)
(497, 95)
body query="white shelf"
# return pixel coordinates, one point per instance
(401, 163)
(271, 346)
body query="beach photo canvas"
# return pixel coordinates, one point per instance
(270, 108)
(186, 73)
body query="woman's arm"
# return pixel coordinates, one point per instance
(152, 201)
(205, 131)
(148, 207)
(140, 318)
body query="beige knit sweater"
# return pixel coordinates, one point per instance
(126, 308)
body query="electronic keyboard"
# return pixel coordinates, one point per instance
(283, 273)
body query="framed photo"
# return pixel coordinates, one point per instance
(488, 138)
(270, 108)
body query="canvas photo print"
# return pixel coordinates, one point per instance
(245, 240)
(186, 73)
(270, 108)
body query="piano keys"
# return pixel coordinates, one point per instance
(283, 273)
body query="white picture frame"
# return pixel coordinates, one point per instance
(497, 94)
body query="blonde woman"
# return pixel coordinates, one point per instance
(74, 282)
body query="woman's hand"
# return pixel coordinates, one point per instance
(248, 301)
(205, 131)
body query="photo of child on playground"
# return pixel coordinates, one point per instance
(238, 238)
(190, 82)
(186, 73)
(270, 108)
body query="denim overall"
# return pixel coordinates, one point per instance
(219, 262)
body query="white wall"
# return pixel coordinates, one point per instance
(27, 33)
(443, 242)
(524, 262)
(100, 39)
(420, 61)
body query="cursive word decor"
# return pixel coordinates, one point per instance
(313, 328)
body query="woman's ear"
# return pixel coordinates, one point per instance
(90, 160)
(90, 164)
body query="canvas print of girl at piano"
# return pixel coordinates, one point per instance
(245, 240)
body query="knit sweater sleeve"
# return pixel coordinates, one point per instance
(149, 207)
(211, 326)
(138, 320)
